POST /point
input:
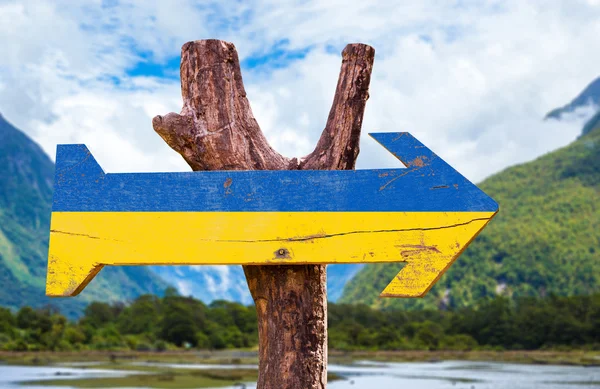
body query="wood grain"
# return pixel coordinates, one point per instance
(425, 215)
(216, 130)
(286, 213)
(428, 242)
(428, 184)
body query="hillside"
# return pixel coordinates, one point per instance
(26, 179)
(544, 240)
(210, 283)
(592, 124)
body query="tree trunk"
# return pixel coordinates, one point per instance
(216, 130)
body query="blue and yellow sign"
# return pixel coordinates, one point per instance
(425, 215)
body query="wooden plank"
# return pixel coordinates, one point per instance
(427, 184)
(424, 215)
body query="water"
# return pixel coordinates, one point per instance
(468, 375)
(11, 376)
(367, 375)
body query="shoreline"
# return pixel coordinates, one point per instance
(236, 368)
(249, 357)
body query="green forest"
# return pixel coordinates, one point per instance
(152, 323)
(544, 239)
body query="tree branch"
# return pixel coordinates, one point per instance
(216, 130)
(338, 148)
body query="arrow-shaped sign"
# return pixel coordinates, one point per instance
(424, 215)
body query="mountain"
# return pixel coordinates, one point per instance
(209, 283)
(545, 239)
(337, 278)
(26, 179)
(228, 282)
(589, 96)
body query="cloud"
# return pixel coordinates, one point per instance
(184, 287)
(472, 80)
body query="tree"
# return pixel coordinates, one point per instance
(141, 316)
(216, 130)
(7, 321)
(97, 314)
(177, 325)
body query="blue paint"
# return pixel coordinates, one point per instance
(428, 184)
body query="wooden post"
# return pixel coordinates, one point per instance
(216, 130)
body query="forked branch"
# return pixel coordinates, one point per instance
(216, 130)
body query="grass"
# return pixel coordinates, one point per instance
(116, 360)
(539, 357)
(113, 358)
(163, 378)
(179, 378)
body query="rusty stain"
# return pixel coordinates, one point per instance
(418, 162)
(282, 253)
(383, 174)
(417, 249)
(439, 187)
(455, 186)
(227, 185)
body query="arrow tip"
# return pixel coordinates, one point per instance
(406, 148)
(76, 159)
(427, 263)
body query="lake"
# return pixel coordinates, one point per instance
(367, 375)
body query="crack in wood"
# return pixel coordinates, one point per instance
(75, 234)
(301, 238)
(395, 178)
(242, 146)
(83, 235)
(321, 236)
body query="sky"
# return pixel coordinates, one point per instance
(471, 79)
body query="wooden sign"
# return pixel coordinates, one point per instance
(425, 215)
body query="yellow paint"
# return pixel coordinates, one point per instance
(81, 243)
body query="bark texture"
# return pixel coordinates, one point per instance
(216, 130)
